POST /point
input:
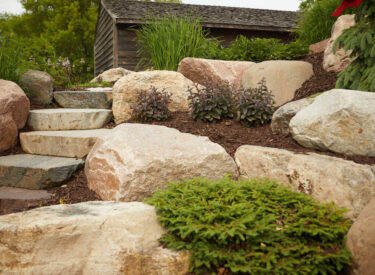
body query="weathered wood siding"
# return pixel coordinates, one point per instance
(104, 42)
(127, 48)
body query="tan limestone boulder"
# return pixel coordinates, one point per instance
(342, 121)
(361, 241)
(135, 160)
(282, 77)
(125, 91)
(347, 184)
(111, 75)
(337, 62)
(87, 238)
(214, 72)
(38, 85)
(319, 47)
(14, 109)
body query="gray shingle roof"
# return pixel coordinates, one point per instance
(211, 16)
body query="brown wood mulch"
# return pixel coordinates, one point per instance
(228, 133)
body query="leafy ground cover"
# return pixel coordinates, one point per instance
(251, 227)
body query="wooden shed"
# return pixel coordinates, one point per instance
(115, 44)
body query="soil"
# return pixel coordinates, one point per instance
(321, 81)
(228, 133)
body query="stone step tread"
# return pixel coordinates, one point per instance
(95, 98)
(11, 193)
(73, 143)
(68, 119)
(36, 172)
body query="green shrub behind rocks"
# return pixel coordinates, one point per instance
(251, 227)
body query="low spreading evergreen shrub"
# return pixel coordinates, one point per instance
(211, 104)
(255, 106)
(251, 227)
(151, 105)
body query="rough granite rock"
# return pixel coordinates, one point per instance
(319, 47)
(71, 144)
(111, 75)
(283, 78)
(14, 109)
(214, 73)
(125, 91)
(138, 159)
(39, 86)
(337, 62)
(87, 238)
(36, 172)
(342, 121)
(283, 115)
(68, 119)
(361, 241)
(97, 99)
(347, 184)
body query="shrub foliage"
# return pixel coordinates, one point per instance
(251, 227)
(211, 103)
(360, 38)
(151, 105)
(255, 106)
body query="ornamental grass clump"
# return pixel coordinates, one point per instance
(251, 227)
(255, 106)
(151, 105)
(211, 104)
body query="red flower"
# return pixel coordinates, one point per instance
(345, 4)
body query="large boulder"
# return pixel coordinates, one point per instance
(282, 77)
(361, 241)
(342, 121)
(38, 85)
(138, 159)
(337, 62)
(14, 109)
(125, 91)
(87, 238)
(283, 115)
(214, 73)
(347, 184)
(111, 75)
(319, 47)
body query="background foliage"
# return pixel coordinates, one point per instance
(251, 227)
(316, 21)
(56, 36)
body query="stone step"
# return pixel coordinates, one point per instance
(68, 119)
(93, 98)
(73, 144)
(36, 172)
(18, 199)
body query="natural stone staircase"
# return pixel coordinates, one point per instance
(61, 138)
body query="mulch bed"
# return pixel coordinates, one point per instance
(228, 133)
(321, 81)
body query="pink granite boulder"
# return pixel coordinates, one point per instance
(214, 72)
(14, 110)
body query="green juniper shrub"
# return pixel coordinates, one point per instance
(210, 103)
(360, 38)
(255, 106)
(251, 227)
(151, 105)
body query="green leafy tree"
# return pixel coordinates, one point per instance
(360, 39)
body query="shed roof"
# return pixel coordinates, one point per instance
(130, 12)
